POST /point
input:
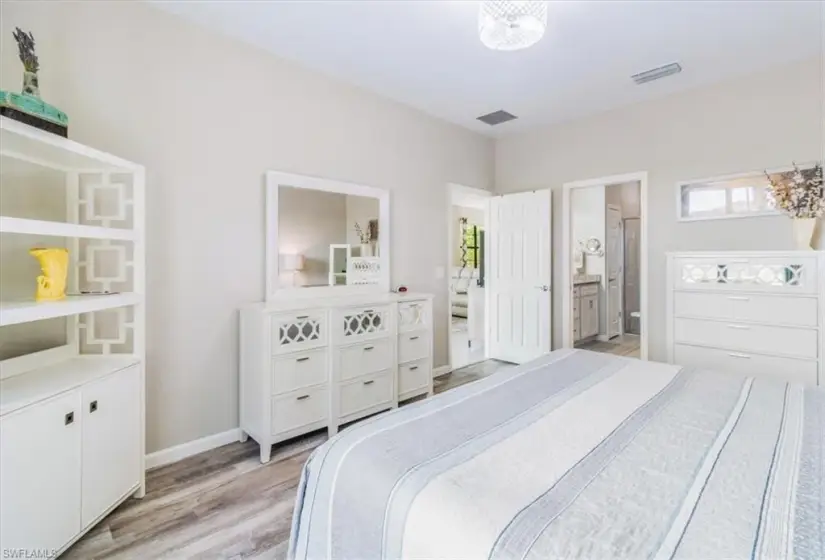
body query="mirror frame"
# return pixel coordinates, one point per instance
(276, 179)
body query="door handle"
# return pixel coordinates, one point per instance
(544, 288)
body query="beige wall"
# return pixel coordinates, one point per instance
(207, 116)
(750, 123)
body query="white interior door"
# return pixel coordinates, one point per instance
(614, 258)
(518, 278)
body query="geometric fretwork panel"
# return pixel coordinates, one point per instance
(105, 199)
(107, 332)
(363, 270)
(299, 330)
(744, 274)
(411, 316)
(105, 265)
(367, 321)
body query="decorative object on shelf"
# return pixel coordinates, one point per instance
(364, 239)
(292, 264)
(509, 25)
(54, 262)
(799, 194)
(400, 289)
(27, 107)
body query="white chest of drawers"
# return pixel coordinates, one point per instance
(320, 363)
(757, 313)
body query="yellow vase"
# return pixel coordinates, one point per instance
(54, 263)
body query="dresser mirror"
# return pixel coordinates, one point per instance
(325, 236)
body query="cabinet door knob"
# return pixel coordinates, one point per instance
(93, 406)
(69, 418)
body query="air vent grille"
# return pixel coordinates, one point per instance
(656, 73)
(497, 117)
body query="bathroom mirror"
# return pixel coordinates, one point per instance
(325, 236)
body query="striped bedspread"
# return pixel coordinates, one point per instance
(576, 455)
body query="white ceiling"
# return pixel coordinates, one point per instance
(427, 53)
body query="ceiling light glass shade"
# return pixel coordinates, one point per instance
(509, 25)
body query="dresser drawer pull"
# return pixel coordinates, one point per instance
(304, 359)
(738, 355)
(368, 348)
(413, 368)
(370, 382)
(302, 317)
(739, 327)
(302, 397)
(413, 338)
(739, 298)
(369, 311)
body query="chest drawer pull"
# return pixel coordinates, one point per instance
(738, 355)
(302, 317)
(413, 368)
(368, 348)
(739, 327)
(304, 359)
(413, 338)
(302, 397)
(370, 382)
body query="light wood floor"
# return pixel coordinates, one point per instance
(623, 345)
(220, 504)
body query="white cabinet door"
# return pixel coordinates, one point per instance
(518, 276)
(40, 475)
(111, 440)
(615, 259)
(589, 316)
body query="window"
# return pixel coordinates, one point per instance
(471, 240)
(729, 197)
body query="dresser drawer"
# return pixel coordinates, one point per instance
(366, 392)
(589, 289)
(413, 346)
(413, 315)
(792, 274)
(367, 357)
(784, 341)
(299, 408)
(414, 376)
(299, 331)
(302, 369)
(757, 365)
(361, 323)
(776, 310)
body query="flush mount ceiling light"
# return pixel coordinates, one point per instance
(509, 25)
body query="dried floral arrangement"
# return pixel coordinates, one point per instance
(799, 193)
(363, 236)
(25, 44)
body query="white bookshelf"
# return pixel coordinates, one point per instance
(84, 398)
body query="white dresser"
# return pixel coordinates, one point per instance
(758, 313)
(313, 363)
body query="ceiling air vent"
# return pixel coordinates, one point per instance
(656, 73)
(496, 117)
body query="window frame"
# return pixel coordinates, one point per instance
(680, 186)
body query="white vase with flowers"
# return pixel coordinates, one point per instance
(799, 194)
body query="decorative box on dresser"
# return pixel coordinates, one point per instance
(758, 313)
(72, 373)
(308, 364)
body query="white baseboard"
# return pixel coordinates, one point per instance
(184, 450)
(441, 370)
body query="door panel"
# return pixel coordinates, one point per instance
(614, 258)
(40, 475)
(518, 277)
(111, 440)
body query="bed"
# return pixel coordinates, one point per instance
(576, 455)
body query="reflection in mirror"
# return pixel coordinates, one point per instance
(327, 238)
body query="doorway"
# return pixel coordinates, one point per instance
(467, 215)
(604, 262)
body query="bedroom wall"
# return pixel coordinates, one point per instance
(749, 123)
(207, 116)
